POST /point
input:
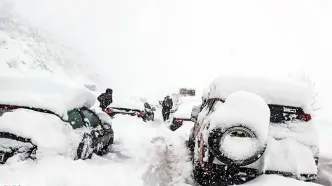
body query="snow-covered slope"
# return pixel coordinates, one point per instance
(26, 50)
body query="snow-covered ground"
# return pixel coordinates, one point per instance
(144, 154)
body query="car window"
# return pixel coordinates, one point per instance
(75, 119)
(146, 105)
(93, 119)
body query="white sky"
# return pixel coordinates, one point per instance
(151, 46)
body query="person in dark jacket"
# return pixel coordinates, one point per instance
(105, 99)
(167, 105)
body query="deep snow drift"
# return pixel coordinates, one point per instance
(144, 154)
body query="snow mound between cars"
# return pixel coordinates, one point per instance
(48, 94)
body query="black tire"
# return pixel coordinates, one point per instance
(214, 140)
(191, 141)
(84, 150)
(174, 127)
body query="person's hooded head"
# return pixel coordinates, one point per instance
(109, 91)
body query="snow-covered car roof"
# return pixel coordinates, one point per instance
(44, 93)
(282, 91)
(186, 106)
(131, 103)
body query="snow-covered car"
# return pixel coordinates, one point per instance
(40, 117)
(133, 107)
(187, 92)
(251, 126)
(184, 112)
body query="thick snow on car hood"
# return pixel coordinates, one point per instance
(185, 107)
(287, 92)
(44, 93)
(46, 131)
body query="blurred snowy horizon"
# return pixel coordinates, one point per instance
(151, 48)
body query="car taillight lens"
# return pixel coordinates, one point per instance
(306, 117)
(179, 121)
(141, 114)
(223, 101)
(108, 111)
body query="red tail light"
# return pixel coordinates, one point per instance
(108, 111)
(306, 117)
(178, 121)
(223, 101)
(141, 114)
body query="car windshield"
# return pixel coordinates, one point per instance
(75, 119)
(146, 105)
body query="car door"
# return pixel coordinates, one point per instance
(101, 136)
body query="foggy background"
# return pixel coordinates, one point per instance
(151, 47)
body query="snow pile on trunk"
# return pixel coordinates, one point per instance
(242, 109)
(46, 131)
(44, 93)
(280, 91)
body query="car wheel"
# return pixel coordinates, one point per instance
(84, 150)
(174, 127)
(221, 146)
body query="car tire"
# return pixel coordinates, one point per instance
(214, 141)
(84, 150)
(174, 127)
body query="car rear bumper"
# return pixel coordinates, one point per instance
(215, 175)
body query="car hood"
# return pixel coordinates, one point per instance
(47, 131)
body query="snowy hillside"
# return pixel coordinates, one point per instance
(26, 50)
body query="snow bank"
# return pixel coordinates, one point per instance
(185, 107)
(242, 108)
(44, 93)
(46, 131)
(302, 132)
(285, 91)
(324, 128)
